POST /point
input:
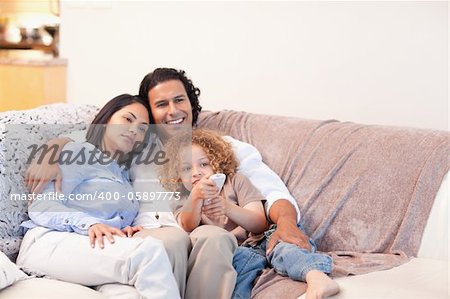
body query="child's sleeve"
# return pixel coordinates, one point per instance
(246, 192)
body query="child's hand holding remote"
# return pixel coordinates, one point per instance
(203, 189)
(215, 207)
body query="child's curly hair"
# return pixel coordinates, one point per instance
(219, 152)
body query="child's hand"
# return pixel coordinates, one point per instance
(215, 207)
(130, 231)
(204, 189)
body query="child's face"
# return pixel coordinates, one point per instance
(194, 166)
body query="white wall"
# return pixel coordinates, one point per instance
(369, 62)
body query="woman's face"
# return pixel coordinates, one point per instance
(194, 166)
(126, 127)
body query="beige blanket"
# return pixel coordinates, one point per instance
(365, 192)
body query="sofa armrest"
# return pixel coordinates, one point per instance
(435, 240)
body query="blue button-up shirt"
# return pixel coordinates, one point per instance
(92, 192)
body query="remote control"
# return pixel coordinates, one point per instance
(218, 179)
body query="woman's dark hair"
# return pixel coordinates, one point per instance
(97, 128)
(161, 75)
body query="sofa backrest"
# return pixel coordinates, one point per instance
(19, 130)
(360, 188)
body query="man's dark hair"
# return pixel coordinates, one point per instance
(161, 75)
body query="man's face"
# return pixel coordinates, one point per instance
(170, 107)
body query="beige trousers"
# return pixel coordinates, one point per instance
(210, 264)
(177, 244)
(209, 269)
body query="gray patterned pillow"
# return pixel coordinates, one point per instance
(18, 131)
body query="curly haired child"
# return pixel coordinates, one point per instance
(238, 208)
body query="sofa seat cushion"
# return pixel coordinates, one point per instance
(9, 272)
(42, 288)
(419, 278)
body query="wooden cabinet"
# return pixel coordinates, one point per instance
(25, 85)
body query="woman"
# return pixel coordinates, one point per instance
(97, 201)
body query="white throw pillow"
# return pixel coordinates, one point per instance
(9, 272)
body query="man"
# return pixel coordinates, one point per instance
(210, 274)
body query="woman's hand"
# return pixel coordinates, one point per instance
(131, 230)
(98, 230)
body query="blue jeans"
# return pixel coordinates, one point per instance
(286, 259)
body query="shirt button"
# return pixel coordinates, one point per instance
(83, 225)
(67, 221)
(121, 217)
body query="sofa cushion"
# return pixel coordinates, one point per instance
(42, 288)
(9, 272)
(18, 130)
(419, 278)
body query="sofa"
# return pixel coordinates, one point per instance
(373, 197)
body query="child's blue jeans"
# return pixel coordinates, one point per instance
(286, 259)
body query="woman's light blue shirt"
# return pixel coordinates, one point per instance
(94, 190)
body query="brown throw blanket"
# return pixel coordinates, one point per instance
(364, 191)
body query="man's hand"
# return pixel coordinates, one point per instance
(98, 230)
(37, 176)
(39, 173)
(290, 233)
(284, 215)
